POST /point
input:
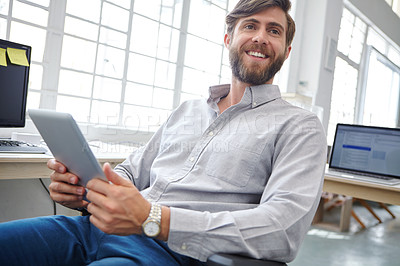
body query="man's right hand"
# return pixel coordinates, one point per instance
(63, 187)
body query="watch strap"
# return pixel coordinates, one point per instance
(155, 212)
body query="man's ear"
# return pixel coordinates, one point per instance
(227, 40)
(288, 51)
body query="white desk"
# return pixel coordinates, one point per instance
(24, 166)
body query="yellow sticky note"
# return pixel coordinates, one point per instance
(3, 59)
(17, 56)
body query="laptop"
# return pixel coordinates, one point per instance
(366, 153)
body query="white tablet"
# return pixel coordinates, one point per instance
(67, 143)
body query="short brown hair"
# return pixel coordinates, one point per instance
(245, 8)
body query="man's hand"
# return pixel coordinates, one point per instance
(63, 188)
(116, 207)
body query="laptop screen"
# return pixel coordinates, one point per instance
(366, 149)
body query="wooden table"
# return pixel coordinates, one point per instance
(356, 189)
(363, 190)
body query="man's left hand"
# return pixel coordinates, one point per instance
(117, 207)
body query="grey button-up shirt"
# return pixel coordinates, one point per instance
(245, 181)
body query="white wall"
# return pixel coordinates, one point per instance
(323, 93)
(316, 20)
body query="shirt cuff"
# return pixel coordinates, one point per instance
(186, 233)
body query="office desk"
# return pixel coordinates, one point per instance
(24, 166)
(355, 189)
(363, 190)
(17, 166)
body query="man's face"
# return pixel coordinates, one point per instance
(257, 48)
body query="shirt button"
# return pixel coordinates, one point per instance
(191, 159)
(254, 103)
(184, 247)
(211, 133)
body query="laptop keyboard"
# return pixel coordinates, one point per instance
(390, 181)
(16, 146)
(366, 174)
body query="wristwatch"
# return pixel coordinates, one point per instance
(152, 226)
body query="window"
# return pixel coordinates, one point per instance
(350, 47)
(381, 92)
(366, 80)
(343, 99)
(126, 72)
(395, 5)
(16, 25)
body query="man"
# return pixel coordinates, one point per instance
(240, 173)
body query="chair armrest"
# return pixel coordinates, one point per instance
(236, 260)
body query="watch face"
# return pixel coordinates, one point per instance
(151, 228)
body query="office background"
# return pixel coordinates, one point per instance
(121, 66)
(130, 72)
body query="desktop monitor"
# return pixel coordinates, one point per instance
(13, 88)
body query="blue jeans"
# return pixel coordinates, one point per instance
(60, 240)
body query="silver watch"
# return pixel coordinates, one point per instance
(152, 226)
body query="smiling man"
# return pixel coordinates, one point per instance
(239, 173)
(262, 38)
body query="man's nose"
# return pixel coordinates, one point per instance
(260, 37)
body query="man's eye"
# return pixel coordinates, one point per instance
(249, 27)
(275, 32)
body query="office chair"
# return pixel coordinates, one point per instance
(236, 260)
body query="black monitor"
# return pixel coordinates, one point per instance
(13, 88)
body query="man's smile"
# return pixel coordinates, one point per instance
(257, 54)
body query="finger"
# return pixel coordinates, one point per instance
(97, 197)
(63, 198)
(97, 219)
(115, 178)
(98, 185)
(61, 187)
(94, 220)
(110, 224)
(97, 211)
(65, 177)
(55, 165)
(69, 201)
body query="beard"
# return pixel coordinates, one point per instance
(254, 75)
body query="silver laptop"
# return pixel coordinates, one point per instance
(366, 153)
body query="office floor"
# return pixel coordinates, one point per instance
(377, 245)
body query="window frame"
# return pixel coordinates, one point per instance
(55, 34)
(368, 52)
(362, 68)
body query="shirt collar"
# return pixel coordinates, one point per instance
(264, 93)
(254, 95)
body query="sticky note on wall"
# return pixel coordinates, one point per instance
(3, 60)
(17, 56)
